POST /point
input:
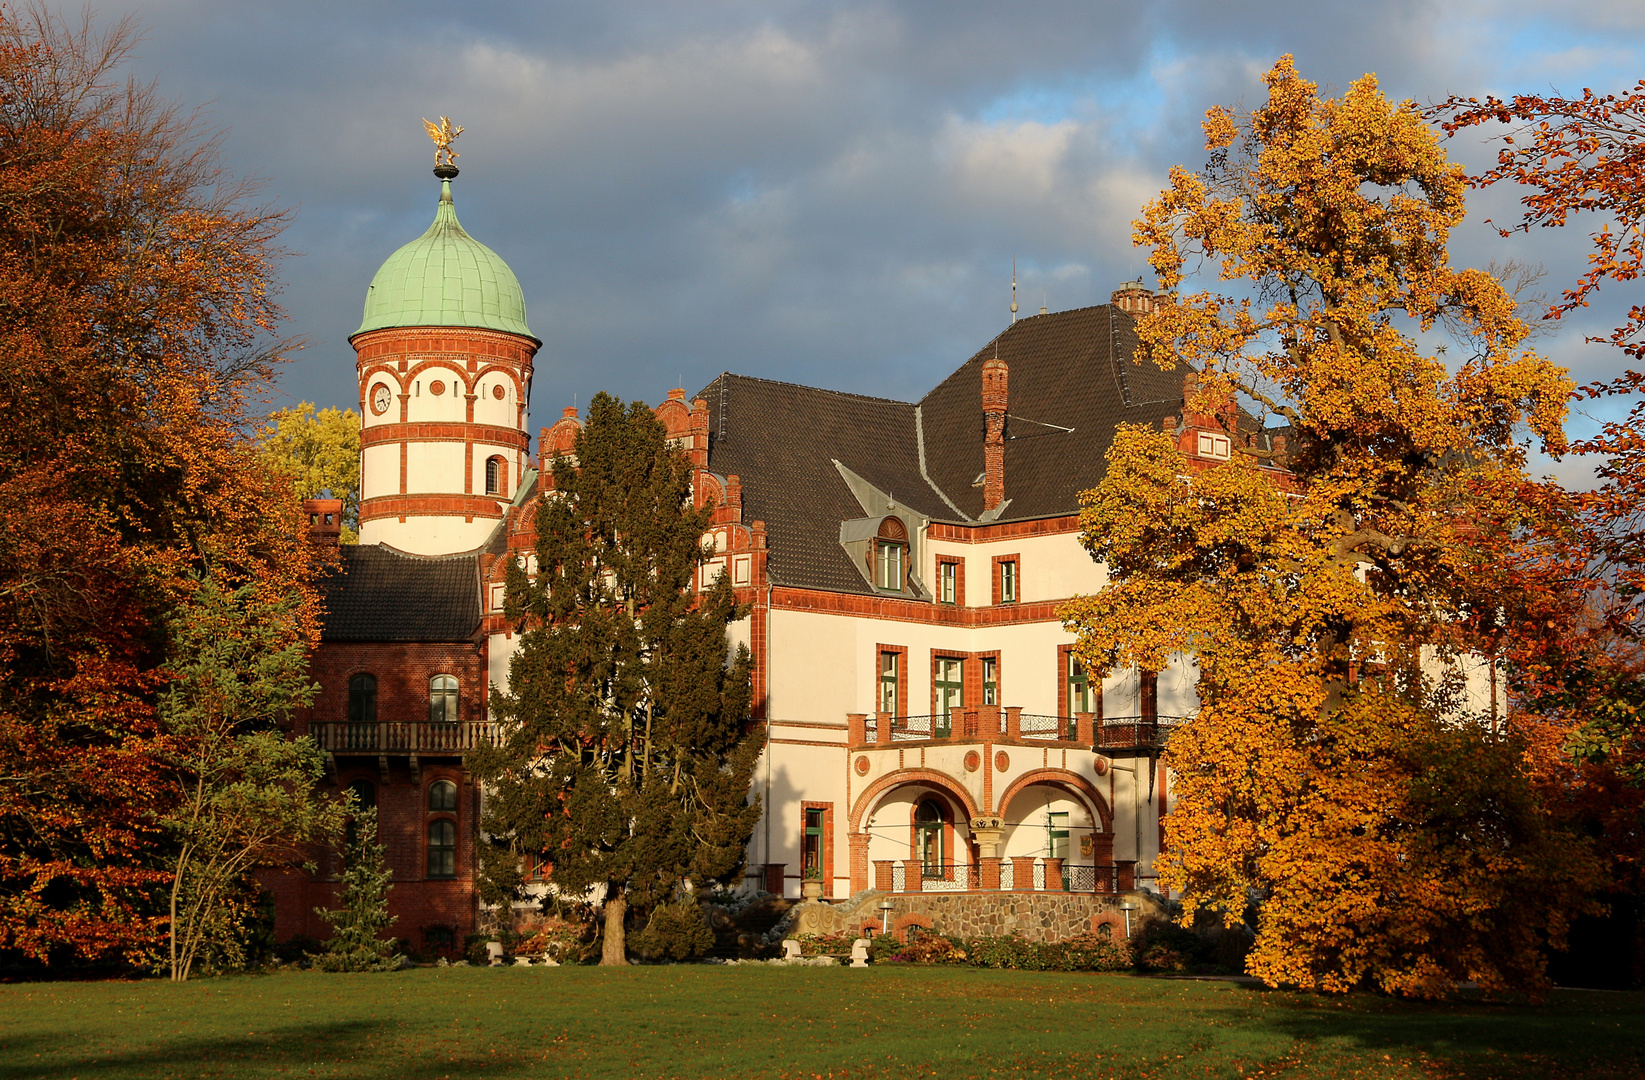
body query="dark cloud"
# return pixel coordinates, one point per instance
(825, 192)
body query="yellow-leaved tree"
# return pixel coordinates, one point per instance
(1340, 774)
(320, 451)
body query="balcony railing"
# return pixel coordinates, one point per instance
(1017, 874)
(402, 737)
(1135, 732)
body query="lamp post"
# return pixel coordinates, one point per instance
(885, 916)
(1128, 907)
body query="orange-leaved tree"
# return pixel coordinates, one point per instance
(1585, 157)
(1346, 769)
(135, 313)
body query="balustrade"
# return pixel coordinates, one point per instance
(395, 736)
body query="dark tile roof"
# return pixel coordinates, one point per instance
(1070, 369)
(379, 593)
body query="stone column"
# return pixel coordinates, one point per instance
(858, 845)
(1022, 871)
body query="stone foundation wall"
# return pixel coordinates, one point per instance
(1037, 916)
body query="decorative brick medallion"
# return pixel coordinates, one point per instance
(862, 766)
(1002, 761)
(497, 391)
(973, 761)
(437, 387)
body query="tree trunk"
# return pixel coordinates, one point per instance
(615, 950)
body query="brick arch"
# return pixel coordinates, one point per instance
(501, 369)
(900, 925)
(1111, 919)
(380, 369)
(947, 784)
(449, 363)
(1069, 781)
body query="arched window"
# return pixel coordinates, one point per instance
(442, 797)
(891, 555)
(496, 476)
(362, 699)
(442, 699)
(929, 838)
(442, 848)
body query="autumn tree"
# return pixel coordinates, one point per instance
(1584, 158)
(626, 762)
(1338, 769)
(320, 451)
(136, 315)
(249, 797)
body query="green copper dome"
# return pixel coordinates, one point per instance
(445, 277)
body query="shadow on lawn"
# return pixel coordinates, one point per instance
(343, 1048)
(1598, 1035)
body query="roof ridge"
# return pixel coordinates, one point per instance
(471, 553)
(802, 386)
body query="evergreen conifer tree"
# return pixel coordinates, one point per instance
(356, 944)
(626, 761)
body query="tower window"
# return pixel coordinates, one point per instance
(891, 555)
(496, 476)
(442, 797)
(890, 678)
(442, 699)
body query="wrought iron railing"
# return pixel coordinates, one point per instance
(1019, 874)
(1090, 879)
(1039, 726)
(394, 736)
(914, 728)
(1135, 732)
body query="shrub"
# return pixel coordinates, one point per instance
(474, 948)
(676, 931)
(297, 947)
(562, 941)
(827, 944)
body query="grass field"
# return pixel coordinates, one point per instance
(703, 1021)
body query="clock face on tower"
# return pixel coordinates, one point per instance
(380, 398)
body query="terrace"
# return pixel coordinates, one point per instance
(988, 723)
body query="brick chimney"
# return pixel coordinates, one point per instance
(994, 395)
(325, 521)
(1133, 298)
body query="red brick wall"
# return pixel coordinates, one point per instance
(418, 902)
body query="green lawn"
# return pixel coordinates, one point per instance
(701, 1021)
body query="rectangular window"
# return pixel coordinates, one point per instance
(948, 585)
(1081, 695)
(990, 681)
(948, 684)
(811, 854)
(1214, 446)
(890, 682)
(1056, 835)
(1008, 582)
(888, 560)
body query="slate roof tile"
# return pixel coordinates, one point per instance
(379, 593)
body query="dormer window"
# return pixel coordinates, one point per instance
(891, 556)
(1214, 446)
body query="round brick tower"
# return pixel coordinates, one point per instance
(444, 363)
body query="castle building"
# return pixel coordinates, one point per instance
(903, 563)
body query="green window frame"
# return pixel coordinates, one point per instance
(1081, 696)
(929, 838)
(812, 847)
(1056, 834)
(948, 582)
(890, 682)
(948, 682)
(990, 680)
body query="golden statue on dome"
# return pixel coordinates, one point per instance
(443, 134)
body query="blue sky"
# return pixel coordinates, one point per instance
(830, 193)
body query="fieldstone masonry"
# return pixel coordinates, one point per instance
(1039, 916)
